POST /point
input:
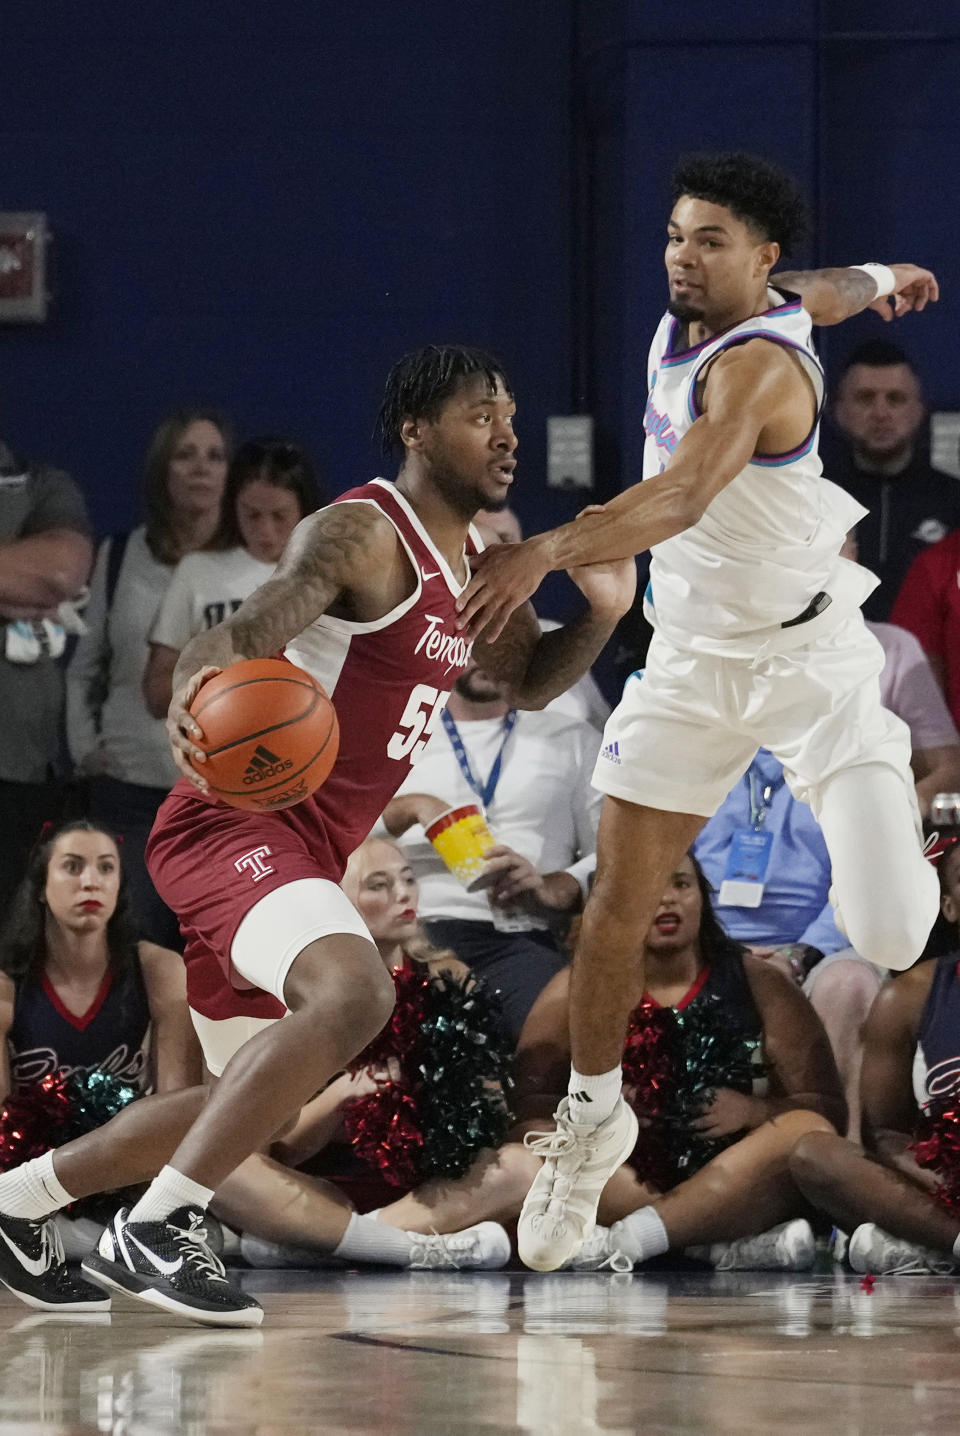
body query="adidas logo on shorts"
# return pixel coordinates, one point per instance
(611, 751)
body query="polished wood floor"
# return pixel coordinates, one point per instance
(472, 1354)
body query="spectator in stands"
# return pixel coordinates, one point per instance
(113, 739)
(45, 555)
(879, 409)
(710, 1168)
(928, 605)
(78, 994)
(911, 1067)
(270, 488)
(531, 773)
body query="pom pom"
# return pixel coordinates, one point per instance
(673, 1062)
(448, 1103)
(936, 1146)
(55, 1110)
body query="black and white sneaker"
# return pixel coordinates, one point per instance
(34, 1268)
(169, 1265)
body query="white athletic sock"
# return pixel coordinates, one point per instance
(32, 1191)
(168, 1191)
(592, 1099)
(641, 1235)
(956, 1245)
(367, 1240)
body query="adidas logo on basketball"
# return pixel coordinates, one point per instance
(263, 765)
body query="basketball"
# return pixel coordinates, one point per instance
(270, 734)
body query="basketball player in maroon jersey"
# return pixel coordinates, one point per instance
(364, 599)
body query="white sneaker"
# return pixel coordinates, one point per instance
(788, 1247)
(874, 1250)
(485, 1247)
(599, 1252)
(561, 1207)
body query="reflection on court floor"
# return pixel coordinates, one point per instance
(459, 1354)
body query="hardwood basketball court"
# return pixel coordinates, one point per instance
(424, 1353)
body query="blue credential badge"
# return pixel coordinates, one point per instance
(747, 865)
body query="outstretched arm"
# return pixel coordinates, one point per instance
(832, 295)
(749, 388)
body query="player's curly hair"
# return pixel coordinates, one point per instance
(422, 381)
(759, 194)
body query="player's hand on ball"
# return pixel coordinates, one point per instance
(183, 730)
(916, 288)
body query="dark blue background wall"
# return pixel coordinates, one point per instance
(262, 205)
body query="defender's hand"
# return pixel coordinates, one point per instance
(184, 732)
(916, 288)
(504, 576)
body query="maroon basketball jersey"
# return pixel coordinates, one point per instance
(389, 679)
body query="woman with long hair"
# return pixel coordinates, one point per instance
(115, 743)
(727, 1067)
(78, 991)
(270, 488)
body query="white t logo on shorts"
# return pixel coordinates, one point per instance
(254, 861)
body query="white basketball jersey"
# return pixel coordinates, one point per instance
(768, 544)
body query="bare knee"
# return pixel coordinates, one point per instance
(801, 1122)
(344, 979)
(813, 1161)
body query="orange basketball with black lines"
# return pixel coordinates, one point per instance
(269, 732)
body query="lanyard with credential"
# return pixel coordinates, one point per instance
(484, 791)
(760, 799)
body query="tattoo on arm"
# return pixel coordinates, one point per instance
(328, 554)
(536, 667)
(830, 295)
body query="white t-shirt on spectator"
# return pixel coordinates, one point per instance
(205, 589)
(130, 745)
(545, 807)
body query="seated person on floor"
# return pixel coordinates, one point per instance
(89, 1017)
(456, 1114)
(530, 772)
(900, 1198)
(727, 1067)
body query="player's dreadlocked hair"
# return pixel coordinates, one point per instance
(421, 382)
(760, 195)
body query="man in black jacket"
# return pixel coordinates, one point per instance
(883, 462)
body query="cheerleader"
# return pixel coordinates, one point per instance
(899, 1195)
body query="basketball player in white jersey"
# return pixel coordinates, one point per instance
(759, 642)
